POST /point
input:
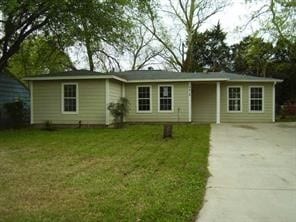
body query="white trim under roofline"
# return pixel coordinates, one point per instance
(176, 80)
(75, 77)
(257, 80)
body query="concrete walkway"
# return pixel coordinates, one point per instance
(253, 168)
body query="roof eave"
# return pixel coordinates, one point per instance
(176, 80)
(256, 80)
(74, 78)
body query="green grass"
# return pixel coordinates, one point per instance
(128, 174)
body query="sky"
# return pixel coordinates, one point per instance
(232, 19)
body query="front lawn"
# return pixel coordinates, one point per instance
(128, 174)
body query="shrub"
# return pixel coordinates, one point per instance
(48, 126)
(119, 110)
(288, 109)
(16, 113)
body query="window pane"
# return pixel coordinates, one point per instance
(234, 92)
(69, 90)
(165, 91)
(144, 104)
(165, 104)
(256, 100)
(256, 92)
(234, 105)
(143, 92)
(144, 98)
(70, 105)
(234, 101)
(165, 98)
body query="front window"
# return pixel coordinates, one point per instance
(234, 99)
(165, 98)
(144, 98)
(70, 98)
(256, 99)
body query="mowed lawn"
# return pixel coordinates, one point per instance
(128, 174)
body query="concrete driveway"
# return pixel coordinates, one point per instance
(253, 168)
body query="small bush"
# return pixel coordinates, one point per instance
(48, 126)
(16, 113)
(119, 110)
(288, 109)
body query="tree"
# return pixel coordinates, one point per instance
(283, 67)
(277, 17)
(189, 15)
(209, 49)
(93, 23)
(142, 49)
(96, 25)
(20, 19)
(252, 55)
(38, 55)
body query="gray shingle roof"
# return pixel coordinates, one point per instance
(167, 75)
(154, 76)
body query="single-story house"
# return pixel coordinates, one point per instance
(11, 90)
(154, 96)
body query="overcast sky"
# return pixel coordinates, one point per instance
(232, 19)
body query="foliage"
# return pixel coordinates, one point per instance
(48, 126)
(93, 24)
(283, 67)
(21, 19)
(277, 18)
(252, 55)
(187, 16)
(16, 112)
(257, 57)
(209, 49)
(119, 110)
(101, 175)
(38, 55)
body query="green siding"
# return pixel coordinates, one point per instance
(245, 115)
(47, 102)
(179, 114)
(204, 103)
(115, 89)
(115, 92)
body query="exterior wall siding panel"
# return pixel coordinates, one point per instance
(204, 103)
(179, 114)
(245, 115)
(48, 96)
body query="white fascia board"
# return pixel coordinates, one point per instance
(75, 78)
(176, 80)
(255, 80)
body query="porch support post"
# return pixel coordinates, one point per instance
(107, 101)
(218, 103)
(273, 102)
(189, 102)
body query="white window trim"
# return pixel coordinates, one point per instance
(77, 98)
(150, 98)
(241, 99)
(172, 97)
(256, 111)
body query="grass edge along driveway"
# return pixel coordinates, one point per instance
(128, 174)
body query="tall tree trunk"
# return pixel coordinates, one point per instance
(88, 46)
(89, 55)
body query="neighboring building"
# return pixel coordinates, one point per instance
(11, 90)
(154, 96)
